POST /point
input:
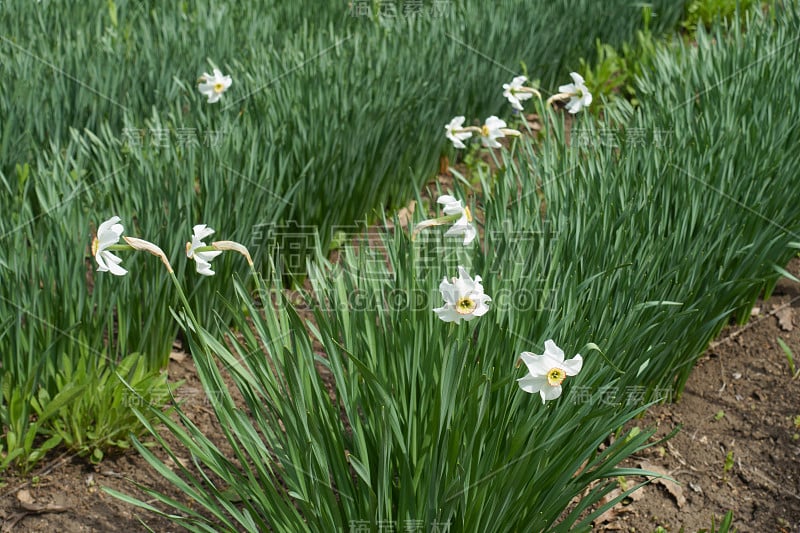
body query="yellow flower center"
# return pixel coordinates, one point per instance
(465, 306)
(189, 253)
(468, 214)
(485, 130)
(555, 376)
(219, 87)
(95, 245)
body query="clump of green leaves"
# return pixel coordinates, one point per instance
(612, 72)
(706, 12)
(95, 423)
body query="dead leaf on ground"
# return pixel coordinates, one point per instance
(622, 507)
(675, 490)
(28, 503)
(24, 497)
(43, 507)
(786, 318)
(178, 357)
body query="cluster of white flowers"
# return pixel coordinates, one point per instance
(577, 93)
(465, 299)
(493, 129)
(110, 232)
(516, 92)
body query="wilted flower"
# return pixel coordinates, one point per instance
(493, 129)
(456, 132)
(214, 86)
(546, 372)
(108, 235)
(453, 212)
(579, 95)
(233, 247)
(464, 298)
(199, 251)
(147, 246)
(516, 92)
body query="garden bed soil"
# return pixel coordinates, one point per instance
(738, 447)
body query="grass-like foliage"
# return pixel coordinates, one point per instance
(418, 421)
(331, 115)
(376, 412)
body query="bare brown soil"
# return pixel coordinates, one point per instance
(740, 407)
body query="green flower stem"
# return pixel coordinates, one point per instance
(205, 249)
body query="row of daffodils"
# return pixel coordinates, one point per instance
(464, 297)
(110, 232)
(576, 94)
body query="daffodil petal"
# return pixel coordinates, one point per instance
(110, 263)
(573, 366)
(553, 351)
(532, 384)
(537, 365)
(550, 393)
(448, 314)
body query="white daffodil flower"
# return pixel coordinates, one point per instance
(493, 129)
(453, 212)
(463, 225)
(516, 92)
(456, 132)
(546, 372)
(199, 251)
(108, 234)
(214, 86)
(579, 95)
(464, 298)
